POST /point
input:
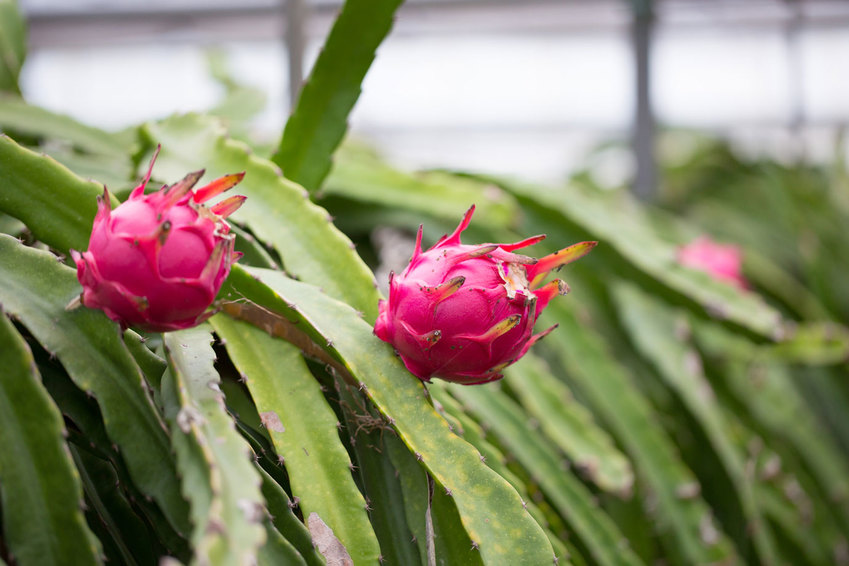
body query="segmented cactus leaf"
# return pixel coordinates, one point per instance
(151, 365)
(277, 211)
(803, 540)
(127, 533)
(653, 328)
(35, 288)
(813, 343)
(20, 117)
(569, 425)
(473, 433)
(686, 524)
(320, 117)
(505, 419)
(57, 206)
(43, 522)
(490, 509)
(363, 178)
(277, 551)
(280, 507)
(303, 429)
(219, 479)
(771, 401)
(438, 532)
(85, 415)
(378, 477)
(13, 48)
(619, 225)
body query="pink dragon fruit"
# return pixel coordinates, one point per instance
(722, 262)
(157, 261)
(463, 313)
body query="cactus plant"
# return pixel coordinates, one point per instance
(672, 418)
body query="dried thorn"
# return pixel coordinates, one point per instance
(295, 502)
(448, 492)
(419, 457)
(475, 545)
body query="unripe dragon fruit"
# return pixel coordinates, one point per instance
(462, 312)
(720, 261)
(157, 261)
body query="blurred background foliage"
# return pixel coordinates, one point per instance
(671, 418)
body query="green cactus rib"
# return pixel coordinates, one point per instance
(433, 517)
(286, 523)
(685, 523)
(570, 425)
(490, 509)
(18, 116)
(652, 326)
(506, 420)
(361, 176)
(378, 477)
(35, 288)
(56, 205)
(219, 479)
(320, 117)
(624, 229)
(90, 433)
(472, 432)
(13, 45)
(40, 489)
(765, 390)
(303, 430)
(127, 531)
(277, 211)
(277, 551)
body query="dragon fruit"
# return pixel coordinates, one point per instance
(465, 312)
(722, 262)
(157, 261)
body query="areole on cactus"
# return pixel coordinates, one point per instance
(157, 261)
(465, 312)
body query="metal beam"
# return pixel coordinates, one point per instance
(645, 178)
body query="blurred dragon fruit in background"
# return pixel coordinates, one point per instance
(722, 262)
(157, 261)
(465, 312)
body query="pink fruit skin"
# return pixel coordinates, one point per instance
(465, 312)
(157, 261)
(722, 262)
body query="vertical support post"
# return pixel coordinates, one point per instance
(296, 21)
(795, 72)
(643, 142)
